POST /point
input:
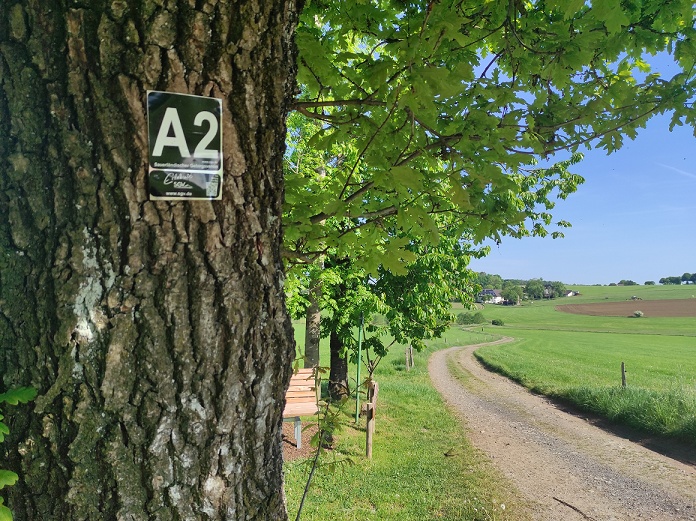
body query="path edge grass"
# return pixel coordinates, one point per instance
(423, 467)
(668, 413)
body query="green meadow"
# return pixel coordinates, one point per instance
(423, 466)
(578, 358)
(542, 316)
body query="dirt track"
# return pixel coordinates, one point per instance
(564, 466)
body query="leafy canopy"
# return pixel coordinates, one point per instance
(408, 307)
(412, 109)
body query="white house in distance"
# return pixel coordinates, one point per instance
(491, 296)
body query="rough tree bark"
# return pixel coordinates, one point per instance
(155, 332)
(338, 374)
(313, 325)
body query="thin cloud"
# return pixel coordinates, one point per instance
(678, 170)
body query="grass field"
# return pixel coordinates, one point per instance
(578, 358)
(422, 468)
(573, 357)
(541, 315)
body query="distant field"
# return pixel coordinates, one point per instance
(651, 308)
(542, 314)
(578, 356)
(656, 292)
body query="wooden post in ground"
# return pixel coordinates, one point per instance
(408, 353)
(372, 390)
(623, 374)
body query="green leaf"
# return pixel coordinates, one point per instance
(5, 513)
(406, 177)
(571, 8)
(7, 478)
(15, 396)
(611, 13)
(424, 124)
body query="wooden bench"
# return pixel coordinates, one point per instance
(301, 399)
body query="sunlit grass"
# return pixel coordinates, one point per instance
(669, 412)
(422, 468)
(578, 358)
(573, 357)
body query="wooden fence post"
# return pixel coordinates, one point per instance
(623, 374)
(372, 390)
(408, 353)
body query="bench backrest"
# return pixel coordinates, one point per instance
(301, 397)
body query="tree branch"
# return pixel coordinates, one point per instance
(362, 152)
(337, 103)
(445, 141)
(384, 212)
(302, 257)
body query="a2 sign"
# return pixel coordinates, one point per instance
(185, 136)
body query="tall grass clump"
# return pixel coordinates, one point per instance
(670, 412)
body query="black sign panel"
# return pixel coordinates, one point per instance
(185, 142)
(184, 185)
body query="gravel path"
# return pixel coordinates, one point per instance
(564, 466)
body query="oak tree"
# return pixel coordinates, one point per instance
(410, 110)
(154, 331)
(424, 108)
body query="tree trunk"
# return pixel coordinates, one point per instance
(338, 375)
(313, 324)
(155, 332)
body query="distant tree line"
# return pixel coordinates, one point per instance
(686, 278)
(538, 289)
(627, 283)
(488, 281)
(515, 290)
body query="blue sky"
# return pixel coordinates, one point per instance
(633, 218)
